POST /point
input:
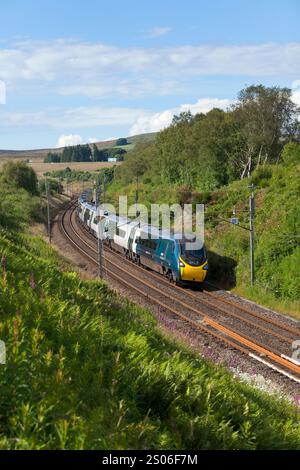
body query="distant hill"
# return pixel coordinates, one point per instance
(38, 153)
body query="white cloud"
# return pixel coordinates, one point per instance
(158, 31)
(124, 88)
(139, 120)
(2, 92)
(153, 122)
(71, 139)
(99, 70)
(92, 140)
(296, 92)
(72, 118)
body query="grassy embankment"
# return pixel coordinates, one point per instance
(86, 369)
(277, 229)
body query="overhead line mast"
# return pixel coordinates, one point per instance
(48, 209)
(99, 237)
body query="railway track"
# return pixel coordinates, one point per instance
(264, 339)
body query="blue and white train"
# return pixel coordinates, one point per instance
(145, 244)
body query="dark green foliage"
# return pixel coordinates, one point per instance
(76, 153)
(20, 175)
(83, 153)
(52, 157)
(206, 151)
(97, 155)
(104, 154)
(121, 141)
(277, 229)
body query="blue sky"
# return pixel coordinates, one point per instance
(79, 71)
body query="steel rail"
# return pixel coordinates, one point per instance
(280, 326)
(233, 335)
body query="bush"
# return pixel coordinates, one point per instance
(121, 141)
(261, 176)
(21, 176)
(291, 153)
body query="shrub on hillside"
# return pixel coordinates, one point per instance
(291, 153)
(20, 175)
(261, 176)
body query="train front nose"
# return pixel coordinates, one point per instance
(193, 273)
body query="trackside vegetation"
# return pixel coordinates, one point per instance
(85, 153)
(206, 151)
(277, 229)
(212, 159)
(86, 369)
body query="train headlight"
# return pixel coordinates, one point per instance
(181, 264)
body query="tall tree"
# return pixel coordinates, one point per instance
(268, 118)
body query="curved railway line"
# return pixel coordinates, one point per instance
(264, 339)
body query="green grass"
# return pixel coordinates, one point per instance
(126, 147)
(86, 369)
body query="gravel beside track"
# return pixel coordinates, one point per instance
(242, 336)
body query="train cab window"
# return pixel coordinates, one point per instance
(192, 255)
(169, 249)
(166, 249)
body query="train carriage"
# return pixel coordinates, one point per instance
(147, 245)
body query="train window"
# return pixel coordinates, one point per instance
(87, 215)
(112, 227)
(121, 233)
(167, 248)
(150, 244)
(153, 244)
(170, 248)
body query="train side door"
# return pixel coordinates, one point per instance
(131, 245)
(169, 254)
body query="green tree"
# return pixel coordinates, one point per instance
(121, 141)
(268, 118)
(52, 157)
(21, 175)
